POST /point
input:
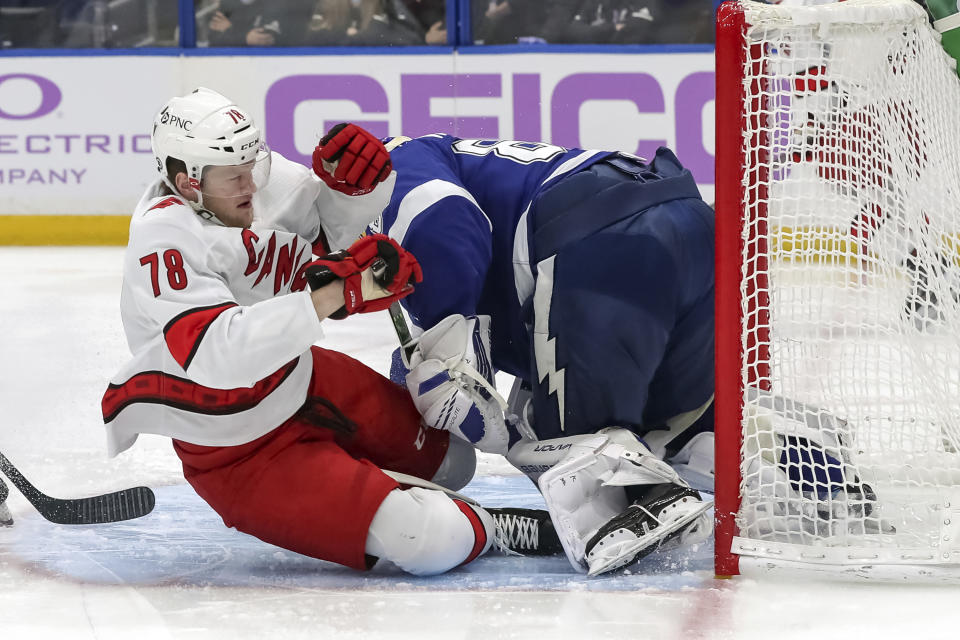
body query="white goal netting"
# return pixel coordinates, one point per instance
(851, 287)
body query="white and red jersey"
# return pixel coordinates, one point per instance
(219, 319)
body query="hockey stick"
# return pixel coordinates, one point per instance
(407, 343)
(109, 507)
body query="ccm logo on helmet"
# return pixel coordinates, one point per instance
(50, 96)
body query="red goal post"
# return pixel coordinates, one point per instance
(837, 291)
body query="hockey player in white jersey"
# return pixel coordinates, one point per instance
(286, 441)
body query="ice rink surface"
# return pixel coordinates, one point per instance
(179, 573)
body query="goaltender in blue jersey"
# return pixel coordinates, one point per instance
(588, 275)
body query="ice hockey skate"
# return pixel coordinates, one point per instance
(525, 532)
(663, 516)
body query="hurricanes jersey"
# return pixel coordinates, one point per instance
(219, 320)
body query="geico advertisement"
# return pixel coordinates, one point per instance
(75, 132)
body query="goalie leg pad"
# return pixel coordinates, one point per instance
(426, 532)
(586, 489)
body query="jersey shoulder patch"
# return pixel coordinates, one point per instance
(168, 201)
(162, 212)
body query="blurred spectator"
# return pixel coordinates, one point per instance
(118, 23)
(366, 23)
(664, 22)
(581, 21)
(30, 23)
(509, 21)
(260, 23)
(432, 16)
(593, 21)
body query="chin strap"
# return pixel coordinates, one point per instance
(197, 206)
(206, 214)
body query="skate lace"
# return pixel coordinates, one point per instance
(516, 533)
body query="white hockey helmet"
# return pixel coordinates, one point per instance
(205, 129)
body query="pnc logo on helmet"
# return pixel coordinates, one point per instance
(174, 120)
(50, 96)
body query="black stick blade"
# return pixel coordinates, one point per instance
(111, 507)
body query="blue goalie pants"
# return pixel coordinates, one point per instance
(622, 313)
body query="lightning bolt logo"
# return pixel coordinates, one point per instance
(545, 347)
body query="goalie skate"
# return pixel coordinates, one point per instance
(525, 532)
(667, 516)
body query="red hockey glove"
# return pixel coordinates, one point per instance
(351, 160)
(375, 270)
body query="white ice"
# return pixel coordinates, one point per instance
(179, 573)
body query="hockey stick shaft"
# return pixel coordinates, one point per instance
(109, 507)
(407, 343)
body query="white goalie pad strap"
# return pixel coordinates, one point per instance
(520, 409)
(636, 464)
(585, 489)
(450, 381)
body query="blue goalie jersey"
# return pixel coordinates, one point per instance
(460, 206)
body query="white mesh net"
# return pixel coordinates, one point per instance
(851, 285)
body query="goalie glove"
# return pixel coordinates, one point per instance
(351, 160)
(375, 269)
(451, 382)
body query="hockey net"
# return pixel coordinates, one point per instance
(838, 291)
